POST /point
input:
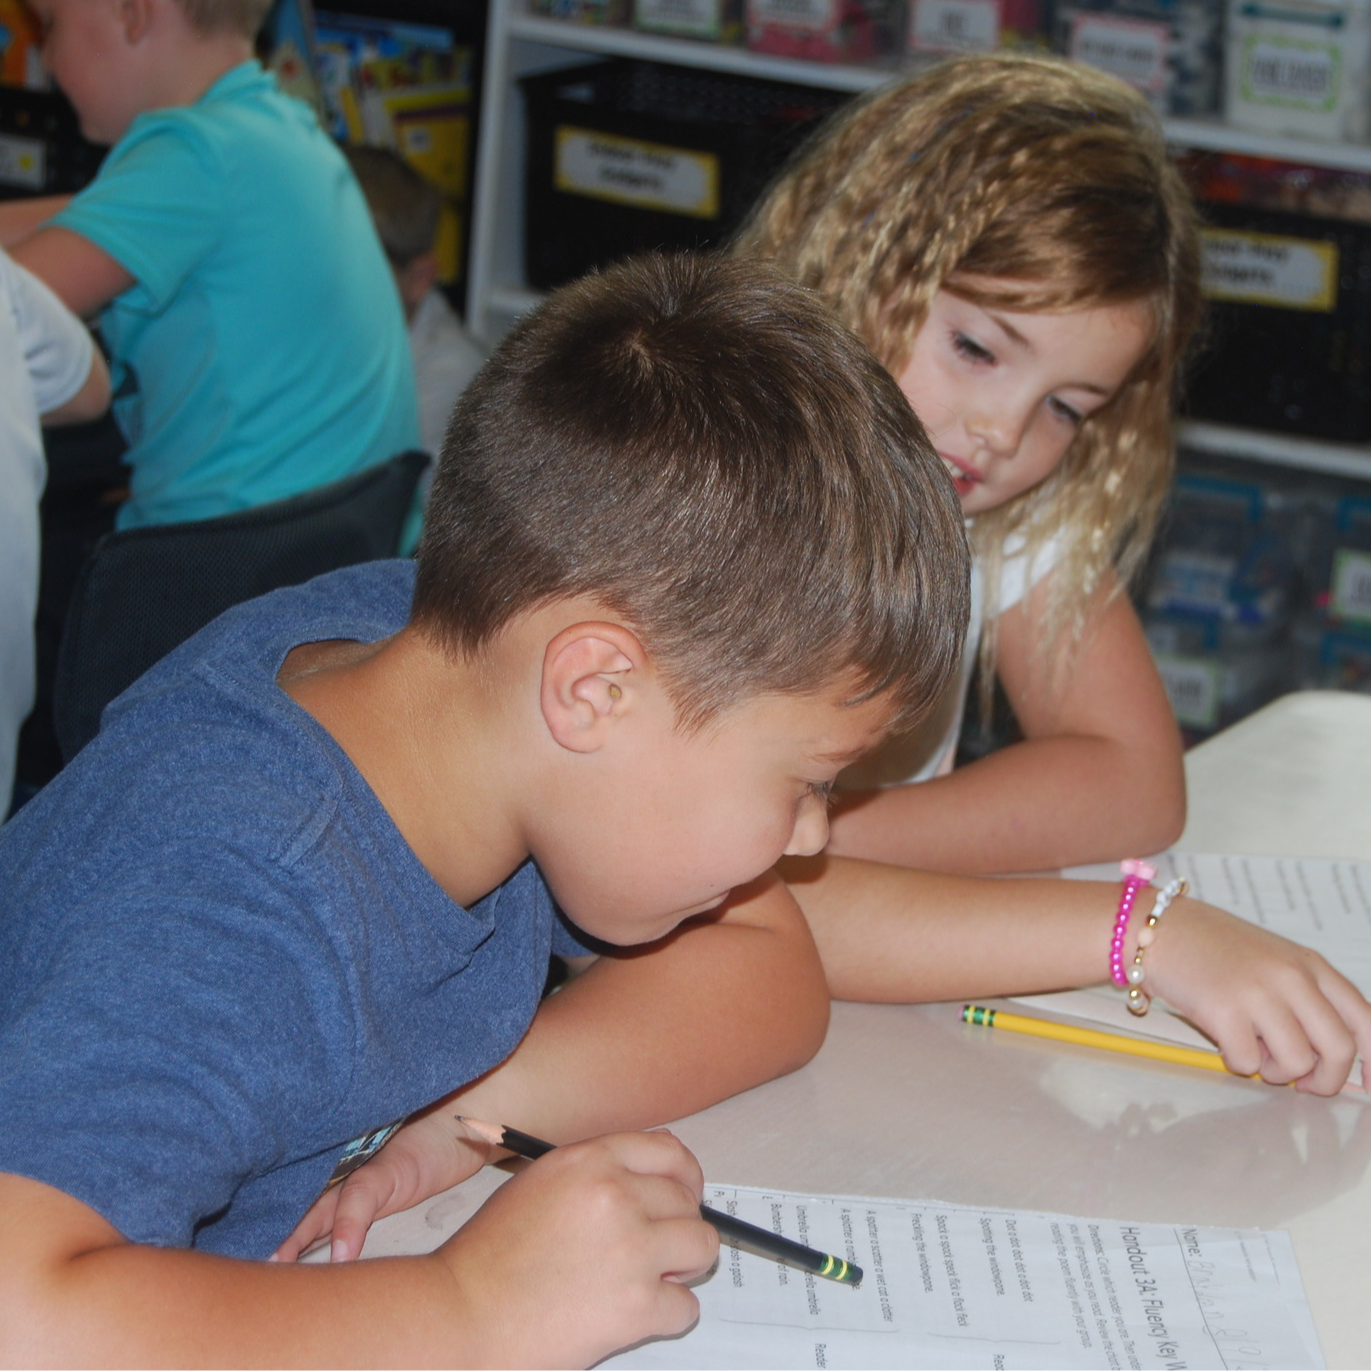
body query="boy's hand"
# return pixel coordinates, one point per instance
(430, 1154)
(1273, 1007)
(584, 1252)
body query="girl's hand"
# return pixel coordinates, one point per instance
(583, 1252)
(1274, 1008)
(430, 1154)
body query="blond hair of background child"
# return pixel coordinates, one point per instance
(1010, 237)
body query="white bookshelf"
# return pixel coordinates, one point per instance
(519, 44)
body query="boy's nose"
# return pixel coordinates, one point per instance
(810, 834)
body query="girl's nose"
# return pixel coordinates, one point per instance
(997, 427)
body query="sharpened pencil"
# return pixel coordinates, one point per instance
(761, 1241)
(1114, 1042)
(1092, 1037)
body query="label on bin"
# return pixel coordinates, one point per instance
(815, 16)
(698, 18)
(1349, 594)
(1130, 49)
(1269, 269)
(954, 25)
(1194, 685)
(1294, 74)
(628, 171)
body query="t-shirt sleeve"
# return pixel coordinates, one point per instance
(155, 207)
(57, 347)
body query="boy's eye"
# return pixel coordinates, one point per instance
(821, 790)
(1065, 412)
(970, 349)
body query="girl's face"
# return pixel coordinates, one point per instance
(1002, 394)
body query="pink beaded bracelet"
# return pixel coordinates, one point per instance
(1136, 874)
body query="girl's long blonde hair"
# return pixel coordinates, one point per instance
(1049, 176)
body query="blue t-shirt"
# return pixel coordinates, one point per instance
(262, 350)
(220, 963)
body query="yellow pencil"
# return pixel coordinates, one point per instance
(1093, 1037)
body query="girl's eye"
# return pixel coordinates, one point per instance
(1064, 412)
(821, 790)
(970, 349)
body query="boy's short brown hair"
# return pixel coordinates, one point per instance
(698, 444)
(227, 16)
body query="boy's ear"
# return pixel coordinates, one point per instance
(136, 18)
(592, 673)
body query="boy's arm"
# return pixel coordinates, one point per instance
(650, 1034)
(1098, 777)
(84, 277)
(563, 1265)
(19, 218)
(641, 1037)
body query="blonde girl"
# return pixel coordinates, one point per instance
(1009, 236)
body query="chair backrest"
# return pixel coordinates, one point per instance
(144, 591)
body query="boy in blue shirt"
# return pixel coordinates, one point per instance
(688, 554)
(257, 346)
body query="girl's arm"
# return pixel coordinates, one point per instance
(1097, 777)
(898, 936)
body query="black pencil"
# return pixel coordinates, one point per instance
(762, 1241)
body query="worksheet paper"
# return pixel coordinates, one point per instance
(1322, 903)
(952, 1287)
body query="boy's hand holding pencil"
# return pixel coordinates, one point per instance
(585, 1253)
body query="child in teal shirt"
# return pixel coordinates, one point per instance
(258, 349)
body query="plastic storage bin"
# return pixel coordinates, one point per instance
(42, 151)
(1220, 600)
(942, 26)
(583, 11)
(625, 155)
(824, 30)
(1290, 321)
(714, 21)
(1301, 67)
(1171, 50)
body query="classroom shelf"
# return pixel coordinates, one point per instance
(519, 43)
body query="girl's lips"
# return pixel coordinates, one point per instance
(963, 476)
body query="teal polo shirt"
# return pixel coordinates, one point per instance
(262, 349)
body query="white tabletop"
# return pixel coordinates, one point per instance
(903, 1102)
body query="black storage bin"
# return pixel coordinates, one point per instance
(1303, 366)
(625, 156)
(47, 154)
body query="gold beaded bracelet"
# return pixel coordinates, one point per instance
(1138, 1000)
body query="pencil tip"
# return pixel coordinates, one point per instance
(488, 1133)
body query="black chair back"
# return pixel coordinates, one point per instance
(144, 591)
